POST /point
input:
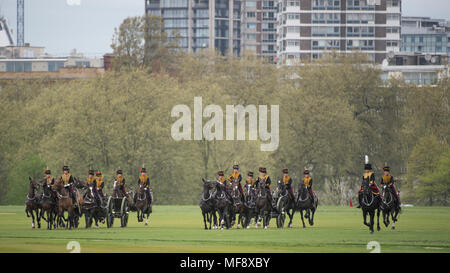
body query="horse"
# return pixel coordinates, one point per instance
(249, 210)
(32, 205)
(207, 204)
(92, 212)
(388, 206)
(142, 206)
(118, 193)
(48, 204)
(370, 203)
(222, 205)
(285, 201)
(263, 206)
(304, 201)
(238, 205)
(65, 203)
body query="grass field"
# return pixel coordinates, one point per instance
(180, 229)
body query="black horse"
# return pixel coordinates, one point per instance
(285, 203)
(207, 204)
(262, 205)
(370, 202)
(304, 201)
(238, 204)
(222, 205)
(388, 206)
(91, 209)
(249, 206)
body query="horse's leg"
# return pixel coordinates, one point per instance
(301, 215)
(365, 217)
(372, 216)
(38, 216)
(311, 220)
(378, 220)
(32, 217)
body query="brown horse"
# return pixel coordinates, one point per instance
(118, 193)
(48, 203)
(142, 206)
(65, 203)
(33, 204)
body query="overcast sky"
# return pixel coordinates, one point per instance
(88, 25)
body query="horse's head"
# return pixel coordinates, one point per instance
(34, 184)
(58, 185)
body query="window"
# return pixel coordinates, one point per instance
(250, 4)
(293, 16)
(294, 3)
(251, 14)
(251, 25)
(174, 4)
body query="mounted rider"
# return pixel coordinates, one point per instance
(307, 180)
(388, 180)
(144, 180)
(264, 178)
(47, 181)
(121, 180)
(287, 182)
(368, 178)
(223, 181)
(236, 176)
(90, 182)
(99, 184)
(68, 181)
(251, 182)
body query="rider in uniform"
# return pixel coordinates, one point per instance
(369, 178)
(388, 180)
(287, 182)
(121, 180)
(236, 176)
(250, 179)
(99, 184)
(68, 181)
(144, 180)
(90, 182)
(264, 178)
(47, 181)
(307, 180)
(221, 179)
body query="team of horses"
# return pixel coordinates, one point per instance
(220, 209)
(55, 202)
(385, 203)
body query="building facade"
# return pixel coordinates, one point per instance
(229, 26)
(310, 28)
(424, 35)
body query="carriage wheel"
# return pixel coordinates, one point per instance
(281, 216)
(109, 215)
(124, 213)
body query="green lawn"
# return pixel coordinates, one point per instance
(180, 229)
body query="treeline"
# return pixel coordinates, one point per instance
(332, 113)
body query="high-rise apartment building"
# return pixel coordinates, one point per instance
(230, 26)
(308, 29)
(424, 35)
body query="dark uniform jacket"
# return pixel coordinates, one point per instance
(287, 181)
(67, 179)
(144, 180)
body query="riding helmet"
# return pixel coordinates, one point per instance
(220, 173)
(65, 168)
(119, 172)
(386, 169)
(99, 173)
(285, 170)
(306, 171)
(262, 170)
(143, 170)
(250, 174)
(91, 172)
(47, 172)
(235, 167)
(368, 166)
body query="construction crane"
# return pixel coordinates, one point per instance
(20, 23)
